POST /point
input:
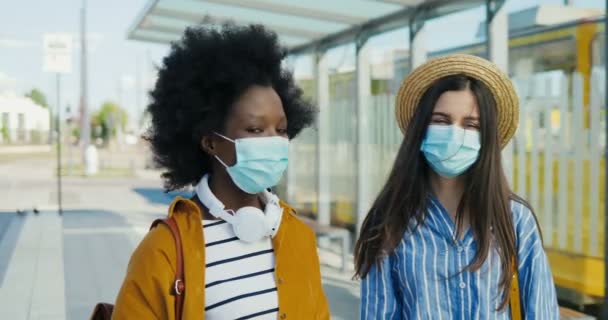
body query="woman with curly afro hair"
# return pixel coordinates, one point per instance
(223, 112)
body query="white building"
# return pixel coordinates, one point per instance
(22, 121)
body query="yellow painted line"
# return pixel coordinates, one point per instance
(542, 37)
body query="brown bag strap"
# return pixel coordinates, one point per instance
(179, 287)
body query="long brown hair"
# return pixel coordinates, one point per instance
(404, 197)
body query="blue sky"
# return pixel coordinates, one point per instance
(112, 58)
(116, 63)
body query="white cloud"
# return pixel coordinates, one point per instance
(94, 40)
(127, 81)
(7, 84)
(10, 43)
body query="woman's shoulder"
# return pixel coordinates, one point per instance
(524, 219)
(149, 276)
(295, 224)
(521, 210)
(155, 249)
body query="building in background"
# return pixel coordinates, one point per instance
(22, 121)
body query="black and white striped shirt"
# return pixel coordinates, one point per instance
(239, 276)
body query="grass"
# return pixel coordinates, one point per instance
(12, 157)
(79, 171)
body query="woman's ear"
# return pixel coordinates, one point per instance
(208, 145)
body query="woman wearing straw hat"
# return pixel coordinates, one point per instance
(447, 238)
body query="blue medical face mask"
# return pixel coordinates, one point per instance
(450, 150)
(260, 162)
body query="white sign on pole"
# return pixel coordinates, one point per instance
(58, 53)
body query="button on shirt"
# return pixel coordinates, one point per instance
(423, 278)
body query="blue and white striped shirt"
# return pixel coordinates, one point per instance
(421, 279)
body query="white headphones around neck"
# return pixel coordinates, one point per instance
(250, 224)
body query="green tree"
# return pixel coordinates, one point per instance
(38, 97)
(109, 117)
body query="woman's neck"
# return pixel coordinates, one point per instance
(448, 191)
(229, 194)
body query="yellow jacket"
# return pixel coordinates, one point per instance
(145, 292)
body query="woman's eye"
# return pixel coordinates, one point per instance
(440, 121)
(282, 131)
(254, 130)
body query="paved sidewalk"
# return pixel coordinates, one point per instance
(33, 286)
(58, 267)
(61, 266)
(25, 149)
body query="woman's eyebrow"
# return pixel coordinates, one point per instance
(441, 114)
(252, 115)
(257, 116)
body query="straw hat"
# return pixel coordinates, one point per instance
(421, 79)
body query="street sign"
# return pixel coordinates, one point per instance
(58, 60)
(58, 53)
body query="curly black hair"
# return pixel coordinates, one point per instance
(199, 81)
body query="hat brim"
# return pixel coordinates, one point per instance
(422, 78)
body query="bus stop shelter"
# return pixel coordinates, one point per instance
(313, 28)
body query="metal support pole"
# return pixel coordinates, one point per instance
(363, 87)
(418, 53)
(85, 126)
(497, 34)
(605, 304)
(138, 87)
(323, 127)
(497, 46)
(58, 128)
(291, 181)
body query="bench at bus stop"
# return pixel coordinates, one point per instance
(569, 314)
(332, 233)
